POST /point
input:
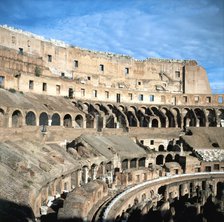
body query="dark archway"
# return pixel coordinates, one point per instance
(125, 164)
(79, 121)
(2, 113)
(17, 119)
(161, 148)
(141, 162)
(159, 160)
(155, 123)
(168, 158)
(211, 116)
(56, 120)
(200, 116)
(31, 119)
(133, 163)
(131, 119)
(67, 121)
(43, 119)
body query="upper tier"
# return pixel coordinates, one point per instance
(63, 66)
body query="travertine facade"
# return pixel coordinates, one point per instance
(72, 119)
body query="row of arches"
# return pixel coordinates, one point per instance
(153, 116)
(44, 119)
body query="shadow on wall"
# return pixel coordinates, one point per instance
(13, 212)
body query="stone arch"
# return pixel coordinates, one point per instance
(189, 118)
(121, 107)
(67, 121)
(56, 119)
(170, 117)
(200, 116)
(17, 118)
(94, 169)
(31, 119)
(142, 117)
(161, 148)
(2, 113)
(79, 121)
(160, 115)
(168, 158)
(177, 115)
(160, 160)
(43, 119)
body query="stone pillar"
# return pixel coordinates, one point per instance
(94, 173)
(10, 121)
(197, 123)
(104, 121)
(84, 123)
(78, 178)
(49, 122)
(86, 174)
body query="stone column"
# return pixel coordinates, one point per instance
(94, 173)
(49, 122)
(86, 174)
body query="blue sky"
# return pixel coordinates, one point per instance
(179, 29)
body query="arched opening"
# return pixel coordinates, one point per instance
(170, 117)
(89, 121)
(220, 190)
(169, 158)
(143, 119)
(155, 123)
(189, 119)
(201, 117)
(133, 163)
(2, 117)
(141, 162)
(79, 121)
(93, 171)
(43, 119)
(56, 120)
(161, 148)
(67, 121)
(177, 158)
(160, 115)
(131, 119)
(211, 118)
(162, 190)
(17, 119)
(159, 159)
(170, 148)
(125, 164)
(177, 115)
(30, 119)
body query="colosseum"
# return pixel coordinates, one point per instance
(96, 136)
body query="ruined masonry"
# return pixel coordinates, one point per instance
(80, 129)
